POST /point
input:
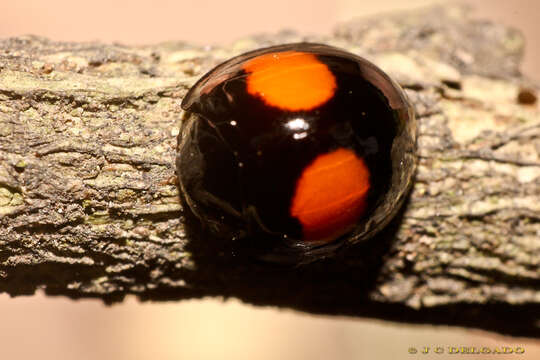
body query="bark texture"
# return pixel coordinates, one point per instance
(89, 205)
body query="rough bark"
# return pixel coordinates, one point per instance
(89, 204)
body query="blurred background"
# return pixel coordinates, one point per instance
(214, 21)
(40, 327)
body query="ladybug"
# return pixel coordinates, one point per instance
(299, 146)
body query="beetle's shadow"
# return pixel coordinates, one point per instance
(335, 285)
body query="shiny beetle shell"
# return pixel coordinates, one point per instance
(300, 146)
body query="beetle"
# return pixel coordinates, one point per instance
(304, 145)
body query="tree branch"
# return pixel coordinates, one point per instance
(89, 204)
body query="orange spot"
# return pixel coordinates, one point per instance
(331, 195)
(290, 80)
